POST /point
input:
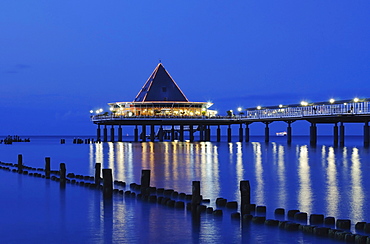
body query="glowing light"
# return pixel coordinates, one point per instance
(332, 100)
(304, 103)
(91, 111)
(97, 111)
(111, 109)
(258, 107)
(281, 105)
(239, 109)
(100, 110)
(345, 103)
(356, 99)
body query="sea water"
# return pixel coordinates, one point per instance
(324, 180)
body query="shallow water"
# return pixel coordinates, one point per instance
(326, 180)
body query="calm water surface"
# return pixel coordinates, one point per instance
(326, 180)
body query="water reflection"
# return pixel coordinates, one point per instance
(357, 193)
(308, 179)
(259, 192)
(332, 196)
(282, 198)
(305, 191)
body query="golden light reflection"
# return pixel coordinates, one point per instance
(281, 177)
(111, 156)
(332, 195)
(357, 193)
(260, 187)
(120, 163)
(239, 166)
(305, 191)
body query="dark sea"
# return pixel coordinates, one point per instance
(316, 180)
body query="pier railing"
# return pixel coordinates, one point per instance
(274, 113)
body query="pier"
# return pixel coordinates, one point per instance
(161, 111)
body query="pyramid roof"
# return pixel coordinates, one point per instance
(160, 87)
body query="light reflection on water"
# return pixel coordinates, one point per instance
(314, 180)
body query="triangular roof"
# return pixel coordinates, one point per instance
(160, 87)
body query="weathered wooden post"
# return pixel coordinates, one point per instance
(20, 163)
(97, 174)
(196, 197)
(47, 167)
(62, 172)
(145, 181)
(245, 193)
(107, 183)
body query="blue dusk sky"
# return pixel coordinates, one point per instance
(60, 59)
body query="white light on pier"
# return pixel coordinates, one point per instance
(356, 99)
(97, 111)
(111, 109)
(91, 111)
(304, 103)
(100, 110)
(281, 105)
(332, 100)
(258, 107)
(239, 109)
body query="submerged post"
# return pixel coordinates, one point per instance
(152, 133)
(267, 132)
(191, 133)
(120, 133)
(145, 181)
(341, 134)
(247, 132)
(143, 133)
(289, 132)
(105, 132)
(313, 134)
(20, 163)
(218, 133)
(136, 134)
(107, 183)
(229, 133)
(181, 132)
(98, 133)
(335, 134)
(112, 134)
(241, 133)
(97, 174)
(245, 193)
(366, 134)
(47, 167)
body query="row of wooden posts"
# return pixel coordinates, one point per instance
(298, 220)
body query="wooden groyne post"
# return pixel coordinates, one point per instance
(145, 181)
(20, 163)
(107, 183)
(196, 197)
(47, 167)
(245, 193)
(97, 174)
(62, 172)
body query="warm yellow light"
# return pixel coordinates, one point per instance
(356, 99)
(304, 103)
(332, 100)
(258, 107)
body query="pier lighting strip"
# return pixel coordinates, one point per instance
(305, 103)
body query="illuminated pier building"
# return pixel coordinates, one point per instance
(161, 105)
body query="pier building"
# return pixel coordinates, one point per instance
(161, 105)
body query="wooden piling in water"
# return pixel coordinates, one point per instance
(245, 192)
(62, 172)
(196, 197)
(107, 183)
(47, 167)
(20, 163)
(145, 181)
(97, 173)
